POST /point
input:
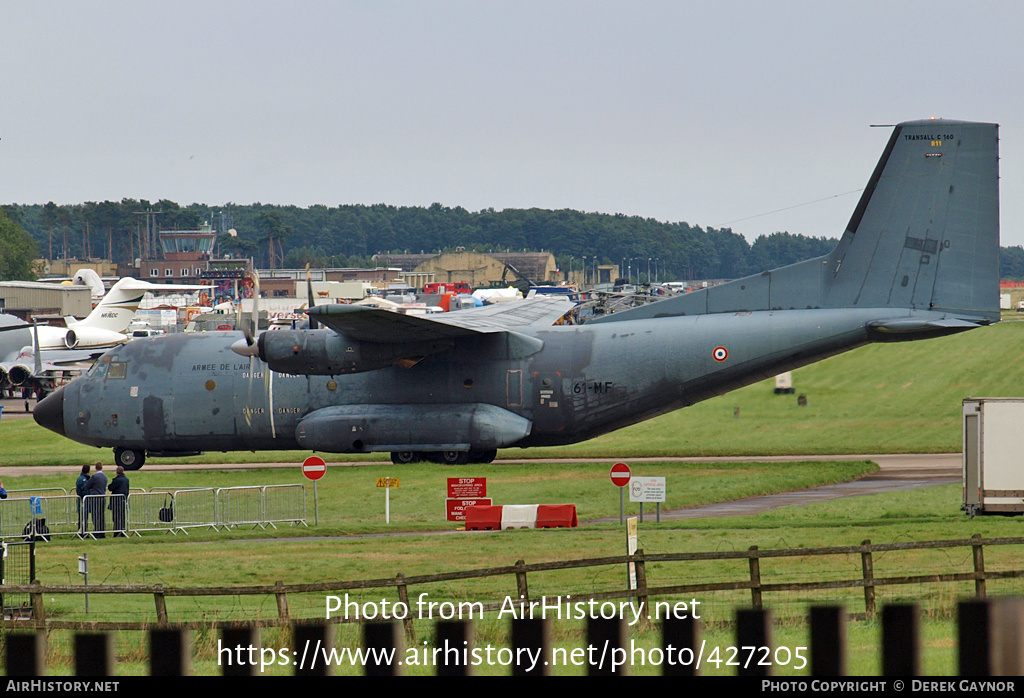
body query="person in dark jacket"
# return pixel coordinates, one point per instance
(119, 504)
(81, 491)
(97, 485)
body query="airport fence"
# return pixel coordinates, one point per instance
(172, 510)
(794, 577)
(989, 640)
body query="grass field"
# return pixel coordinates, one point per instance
(881, 398)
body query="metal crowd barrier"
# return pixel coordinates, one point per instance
(174, 511)
(38, 517)
(151, 511)
(284, 504)
(240, 505)
(194, 509)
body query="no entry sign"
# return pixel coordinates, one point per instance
(314, 467)
(620, 474)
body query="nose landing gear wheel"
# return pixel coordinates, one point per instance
(129, 458)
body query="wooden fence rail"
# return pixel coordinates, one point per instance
(521, 571)
(990, 643)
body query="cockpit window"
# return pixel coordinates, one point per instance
(118, 369)
(99, 369)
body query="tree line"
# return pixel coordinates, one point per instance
(349, 235)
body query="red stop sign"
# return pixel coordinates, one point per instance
(314, 467)
(620, 474)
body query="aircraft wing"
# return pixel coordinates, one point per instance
(376, 325)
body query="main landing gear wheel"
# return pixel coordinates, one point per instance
(129, 458)
(483, 456)
(453, 457)
(403, 457)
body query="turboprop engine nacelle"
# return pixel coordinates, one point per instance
(328, 353)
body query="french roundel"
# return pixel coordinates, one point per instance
(720, 353)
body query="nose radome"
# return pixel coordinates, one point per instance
(49, 412)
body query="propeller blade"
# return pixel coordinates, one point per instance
(248, 400)
(313, 324)
(35, 349)
(255, 303)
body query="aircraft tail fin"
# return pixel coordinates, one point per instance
(117, 309)
(924, 236)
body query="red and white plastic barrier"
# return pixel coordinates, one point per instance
(511, 516)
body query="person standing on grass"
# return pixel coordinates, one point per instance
(97, 485)
(81, 491)
(119, 502)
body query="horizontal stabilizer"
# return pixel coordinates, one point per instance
(913, 328)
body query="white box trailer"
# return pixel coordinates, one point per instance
(992, 456)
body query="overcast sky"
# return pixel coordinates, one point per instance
(713, 113)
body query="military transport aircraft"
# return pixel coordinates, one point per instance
(918, 259)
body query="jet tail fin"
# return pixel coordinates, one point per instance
(924, 236)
